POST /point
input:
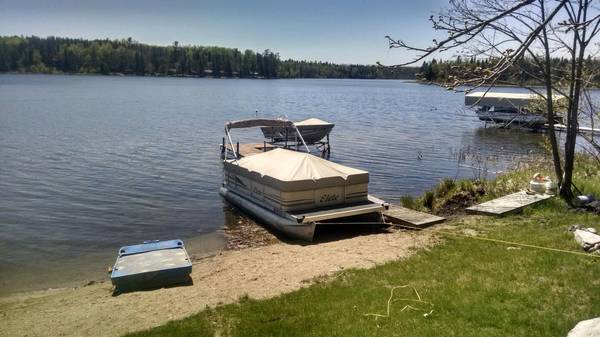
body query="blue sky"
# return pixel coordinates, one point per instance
(338, 31)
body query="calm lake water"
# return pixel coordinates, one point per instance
(90, 163)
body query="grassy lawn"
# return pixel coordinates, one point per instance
(477, 288)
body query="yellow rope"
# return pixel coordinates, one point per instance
(505, 242)
(419, 300)
(408, 306)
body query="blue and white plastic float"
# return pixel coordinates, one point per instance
(151, 264)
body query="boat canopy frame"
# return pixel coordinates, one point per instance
(258, 122)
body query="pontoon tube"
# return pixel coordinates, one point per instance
(288, 226)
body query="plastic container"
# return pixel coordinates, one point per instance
(550, 187)
(541, 184)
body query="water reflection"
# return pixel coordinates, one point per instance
(489, 151)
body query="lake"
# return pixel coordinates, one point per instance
(91, 163)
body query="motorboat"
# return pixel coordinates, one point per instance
(290, 189)
(508, 116)
(313, 130)
(509, 108)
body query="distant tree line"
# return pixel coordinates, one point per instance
(304, 69)
(525, 72)
(129, 57)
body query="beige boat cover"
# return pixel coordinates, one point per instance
(503, 99)
(313, 121)
(289, 170)
(287, 165)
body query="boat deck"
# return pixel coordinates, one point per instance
(249, 149)
(405, 216)
(508, 204)
(582, 129)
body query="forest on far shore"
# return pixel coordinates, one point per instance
(523, 73)
(128, 57)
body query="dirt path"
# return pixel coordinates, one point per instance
(257, 272)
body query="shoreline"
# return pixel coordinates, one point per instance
(247, 234)
(244, 234)
(464, 279)
(200, 77)
(90, 268)
(257, 272)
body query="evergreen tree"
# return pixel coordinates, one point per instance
(127, 56)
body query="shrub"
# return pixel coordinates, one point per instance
(446, 185)
(467, 186)
(407, 201)
(428, 199)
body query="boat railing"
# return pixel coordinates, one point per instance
(234, 149)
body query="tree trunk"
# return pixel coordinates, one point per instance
(550, 104)
(572, 122)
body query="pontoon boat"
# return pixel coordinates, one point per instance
(292, 190)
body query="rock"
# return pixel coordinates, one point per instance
(588, 328)
(584, 199)
(574, 228)
(593, 206)
(589, 241)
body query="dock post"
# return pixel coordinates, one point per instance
(237, 149)
(223, 148)
(264, 146)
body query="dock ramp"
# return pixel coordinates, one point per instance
(508, 204)
(406, 216)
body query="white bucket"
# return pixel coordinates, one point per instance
(537, 186)
(540, 184)
(550, 187)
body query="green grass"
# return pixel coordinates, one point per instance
(448, 193)
(478, 288)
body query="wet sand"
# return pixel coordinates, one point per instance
(77, 269)
(259, 272)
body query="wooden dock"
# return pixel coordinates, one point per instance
(406, 216)
(508, 204)
(581, 129)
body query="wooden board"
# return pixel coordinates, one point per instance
(508, 203)
(406, 216)
(339, 212)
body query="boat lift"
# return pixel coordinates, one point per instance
(513, 111)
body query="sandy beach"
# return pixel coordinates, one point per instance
(258, 272)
